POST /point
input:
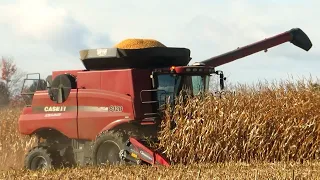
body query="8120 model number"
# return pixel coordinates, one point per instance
(115, 108)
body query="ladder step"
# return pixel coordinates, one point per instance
(150, 114)
(149, 102)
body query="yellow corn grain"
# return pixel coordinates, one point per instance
(136, 43)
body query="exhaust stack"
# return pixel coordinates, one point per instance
(296, 36)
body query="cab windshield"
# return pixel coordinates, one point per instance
(169, 85)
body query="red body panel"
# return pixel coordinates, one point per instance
(115, 123)
(92, 119)
(73, 72)
(35, 118)
(89, 108)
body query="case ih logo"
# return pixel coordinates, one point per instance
(55, 108)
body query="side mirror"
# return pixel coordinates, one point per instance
(222, 79)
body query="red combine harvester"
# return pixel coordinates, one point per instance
(105, 112)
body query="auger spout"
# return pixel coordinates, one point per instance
(296, 36)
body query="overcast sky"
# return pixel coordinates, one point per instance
(43, 36)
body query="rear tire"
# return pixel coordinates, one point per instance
(40, 158)
(107, 147)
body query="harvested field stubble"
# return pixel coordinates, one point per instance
(267, 122)
(203, 171)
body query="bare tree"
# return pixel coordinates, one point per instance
(11, 79)
(4, 94)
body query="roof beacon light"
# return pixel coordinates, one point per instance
(172, 68)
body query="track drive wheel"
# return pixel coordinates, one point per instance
(107, 147)
(40, 158)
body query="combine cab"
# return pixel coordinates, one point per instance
(105, 112)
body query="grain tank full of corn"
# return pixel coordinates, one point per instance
(104, 112)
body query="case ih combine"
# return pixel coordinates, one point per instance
(103, 113)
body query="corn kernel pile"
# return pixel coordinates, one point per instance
(139, 44)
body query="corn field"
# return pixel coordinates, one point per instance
(13, 146)
(265, 122)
